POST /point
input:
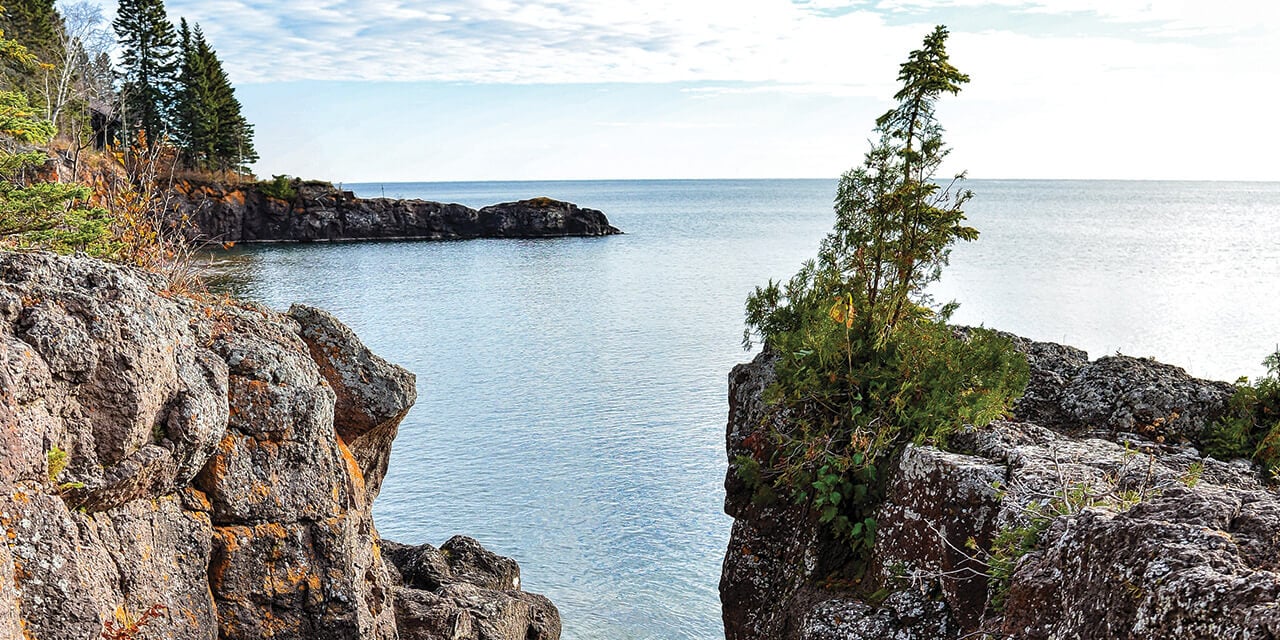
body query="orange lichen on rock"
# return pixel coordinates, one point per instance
(353, 468)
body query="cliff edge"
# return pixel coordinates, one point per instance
(1090, 514)
(206, 467)
(302, 211)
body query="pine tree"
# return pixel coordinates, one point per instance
(149, 61)
(211, 130)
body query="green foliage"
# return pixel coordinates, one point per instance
(1008, 547)
(31, 27)
(1251, 426)
(280, 187)
(1012, 542)
(864, 367)
(148, 65)
(39, 214)
(208, 124)
(57, 463)
(32, 23)
(1194, 472)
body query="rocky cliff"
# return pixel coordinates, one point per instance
(316, 211)
(1136, 534)
(212, 463)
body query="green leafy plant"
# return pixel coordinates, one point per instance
(1251, 426)
(864, 366)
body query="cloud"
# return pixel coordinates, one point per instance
(800, 42)
(844, 48)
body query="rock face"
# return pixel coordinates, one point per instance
(1143, 536)
(319, 212)
(218, 460)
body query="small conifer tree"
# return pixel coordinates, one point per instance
(36, 212)
(863, 365)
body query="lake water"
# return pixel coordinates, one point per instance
(572, 391)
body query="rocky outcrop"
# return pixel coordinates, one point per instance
(209, 461)
(316, 212)
(1139, 535)
(463, 591)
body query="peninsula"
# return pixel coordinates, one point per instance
(313, 211)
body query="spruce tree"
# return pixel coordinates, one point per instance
(863, 364)
(186, 97)
(212, 132)
(149, 64)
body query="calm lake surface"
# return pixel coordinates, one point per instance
(572, 407)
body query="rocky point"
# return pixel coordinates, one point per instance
(318, 212)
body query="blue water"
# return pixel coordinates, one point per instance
(572, 391)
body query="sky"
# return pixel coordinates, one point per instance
(399, 90)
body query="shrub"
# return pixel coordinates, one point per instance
(57, 464)
(1251, 426)
(280, 187)
(35, 213)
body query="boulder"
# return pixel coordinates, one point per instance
(463, 591)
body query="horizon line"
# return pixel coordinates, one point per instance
(812, 179)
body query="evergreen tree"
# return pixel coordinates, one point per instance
(32, 23)
(186, 98)
(149, 61)
(210, 128)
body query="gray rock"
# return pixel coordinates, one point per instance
(905, 615)
(204, 469)
(1172, 567)
(372, 395)
(464, 591)
(1140, 395)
